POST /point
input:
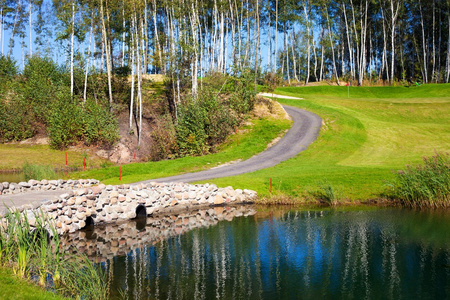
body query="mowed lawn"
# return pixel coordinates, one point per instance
(364, 138)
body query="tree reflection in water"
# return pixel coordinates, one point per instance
(373, 254)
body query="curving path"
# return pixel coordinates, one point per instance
(303, 132)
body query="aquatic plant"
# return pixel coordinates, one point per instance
(426, 185)
(326, 193)
(38, 172)
(30, 245)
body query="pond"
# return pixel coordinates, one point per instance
(12, 176)
(276, 253)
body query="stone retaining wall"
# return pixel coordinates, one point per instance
(8, 188)
(110, 240)
(101, 204)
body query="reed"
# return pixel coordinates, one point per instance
(425, 185)
(326, 193)
(38, 172)
(36, 252)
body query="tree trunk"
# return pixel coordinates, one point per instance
(72, 35)
(332, 49)
(133, 42)
(257, 44)
(107, 52)
(394, 14)
(424, 47)
(31, 31)
(89, 58)
(276, 34)
(308, 46)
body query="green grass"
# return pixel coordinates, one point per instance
(253, 138)
(363, 139)
(13, 288)
(13, 157)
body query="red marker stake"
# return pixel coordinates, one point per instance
(66, 159)
(84, 163)
(271, 185)
(271, 217)
(120, 172)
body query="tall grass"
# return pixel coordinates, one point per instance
(35, 252)
(326, 193)
(38, 172)
(426, 185)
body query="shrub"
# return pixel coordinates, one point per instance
(42, 81)
(65, 124)
(100, 126)
(8, 68)
(426, 185)
(203, 123)
(164, 138)
(16, 120)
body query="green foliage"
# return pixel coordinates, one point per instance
(100, 126)
(326, 193)
(38, 172)
(42, 79)
(36, 252)
(65, 124)
(164, 138)
(16, 120)
(70, 123)
(203, 123)
(426, 185)
(8, 68)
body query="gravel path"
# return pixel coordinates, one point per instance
(303, 132)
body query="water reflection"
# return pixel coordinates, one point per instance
(298, 254)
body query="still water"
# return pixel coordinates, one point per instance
(264, 253)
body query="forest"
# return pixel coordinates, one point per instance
(97, 44)
(307, 40)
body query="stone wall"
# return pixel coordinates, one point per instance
(101, 204)
(8, 188)
(106, 241)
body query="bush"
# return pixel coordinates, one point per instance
(8, 68)
(426, 185)
(203, 123)
(42, 81)
(16, 120)
(65, 124)
(164, 138)
(100, 126)
(70, 123)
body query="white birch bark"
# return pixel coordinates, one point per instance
(425, 67)
(276, 33)
(1, 28)
(448, 52)
(394, 14)
(308, 45)
(107, 52)
(133, 48)
(72, 35)
(31, 28)
(88, 58)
